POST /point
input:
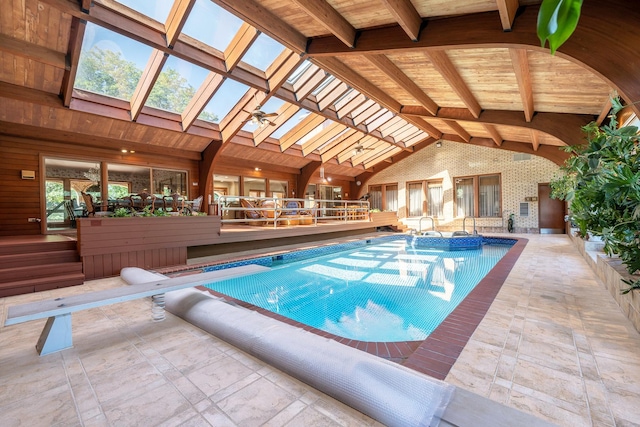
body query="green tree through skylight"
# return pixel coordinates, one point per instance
(108, 73)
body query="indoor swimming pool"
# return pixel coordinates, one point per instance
(380, 290)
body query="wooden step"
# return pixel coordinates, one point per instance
(38, 284)
(38, 258)
(14, 274)
(13, 245)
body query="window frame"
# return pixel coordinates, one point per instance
(476, 194)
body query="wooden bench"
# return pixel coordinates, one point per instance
(56, 334)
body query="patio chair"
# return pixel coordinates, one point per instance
(195, 206)
(91, 209)
(251, 212)
(141, 200)
(174, 204)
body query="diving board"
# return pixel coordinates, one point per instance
(56, 334)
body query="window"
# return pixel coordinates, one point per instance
(435, 199)
(167, 182)
(255, 187)
(415, 199)
(478, 196)
(391, 198)
(375, 197)
(278, 188)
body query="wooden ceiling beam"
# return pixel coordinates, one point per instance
(493, 132)
(263, 19)
(305, 126)
(339, 144)
(406, 15)
(523, 76)
(330, 19)
(604, 113)
(373, 151)
(239, 45)
(535, 141)
(280, 70)
(347, 75)
(458, 129)
(147, 80)
(423, 124)
(32, 51)
(392, 71)
(381, 120)
(585, 47)
(383, 157)
(564, 126)
(322, 137)
(207, 89)
(365, 114)
(177, 17)
(311, 83)
(445, 67)
(348, 107)
(335, 94)
(76, 35)
(507, 9)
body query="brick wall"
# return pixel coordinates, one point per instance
(520, 179)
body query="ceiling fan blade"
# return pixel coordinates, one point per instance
(248, 112)
(269, 114)
(271, 123)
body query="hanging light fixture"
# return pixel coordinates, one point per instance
(93, 174)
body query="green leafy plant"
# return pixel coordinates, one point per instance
(160, 212)
(557, 20)
(602, 185)
(121, 213)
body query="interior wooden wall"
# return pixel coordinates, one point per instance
(21, 199)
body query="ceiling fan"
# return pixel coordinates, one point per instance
(259, 117)
(359, 149)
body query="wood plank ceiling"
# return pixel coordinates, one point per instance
(380, 79)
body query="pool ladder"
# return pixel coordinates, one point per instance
(433, 226)
(464, 224)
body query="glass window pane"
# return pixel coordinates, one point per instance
(176, 85)
(211, 24)
(489, 197)
(375, 197)
(435, 200)
(223, 101)
(391, 198)
(299, 71)
(415, 199)
(464, 197)
(255, 187)
(138, 178)
(278, 188)
(167, 182)
(262, 52)
(110, 64)
(158, 10)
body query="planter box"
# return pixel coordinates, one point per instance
(611, 271)
(106, 245)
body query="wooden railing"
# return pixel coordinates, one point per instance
(279, 212)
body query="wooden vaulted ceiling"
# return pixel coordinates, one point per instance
(390, 75)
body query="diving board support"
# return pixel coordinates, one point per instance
(57, 334)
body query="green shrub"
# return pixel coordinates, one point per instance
(602, 185)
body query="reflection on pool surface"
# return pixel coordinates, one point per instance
(387, 291)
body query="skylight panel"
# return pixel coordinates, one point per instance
(224, 100)
(176, 85)
(299, 71)
(289, 124)
(315, 131)
(157, 10)
(211, 24)
(323, 85)
(110, 64)
(262, 52)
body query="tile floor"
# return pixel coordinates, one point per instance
(553, 344)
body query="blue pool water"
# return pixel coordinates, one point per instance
(389, 291)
